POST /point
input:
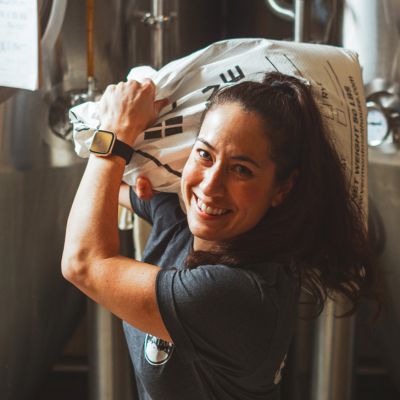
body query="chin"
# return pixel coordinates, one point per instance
(209, 234)
(204, 233)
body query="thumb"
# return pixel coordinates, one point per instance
(160, 104)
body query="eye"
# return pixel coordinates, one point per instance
(242, 170)
(205, 155)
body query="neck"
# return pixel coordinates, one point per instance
(202, 245)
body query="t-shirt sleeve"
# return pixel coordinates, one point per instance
(160, 203)
(213, 313)
(140, 207)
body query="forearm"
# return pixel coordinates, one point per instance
(92, 232)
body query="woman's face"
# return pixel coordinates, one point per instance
(228, 181)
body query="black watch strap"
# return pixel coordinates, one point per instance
(123, 150)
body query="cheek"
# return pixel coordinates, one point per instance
(255, 199)
(188, 175)
(252, 195)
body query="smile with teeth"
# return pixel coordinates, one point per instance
(210, 210)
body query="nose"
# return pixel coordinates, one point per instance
(214, 182)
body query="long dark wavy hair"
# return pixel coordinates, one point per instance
(318, 231)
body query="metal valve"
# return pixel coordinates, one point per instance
(383, 108)
(150, 19)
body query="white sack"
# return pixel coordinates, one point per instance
(333, 73)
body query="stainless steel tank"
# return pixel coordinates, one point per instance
(39, 174)
(371, 28)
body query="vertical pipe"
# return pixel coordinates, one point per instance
(89, 38)
(332, 374)
(296, 14)
(157, 33)
(90, 49)
(110, 373)
(299, 16)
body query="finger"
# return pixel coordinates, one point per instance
(147, 82)
(160, 104)
(147, 189)
(148, 86)
(132, 83)
(130, 87)
(143, 188)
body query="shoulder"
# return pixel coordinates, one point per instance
(208, 281)
(224, 294)
(234, 284)
(223, 306)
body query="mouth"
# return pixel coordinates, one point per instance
(208, 210)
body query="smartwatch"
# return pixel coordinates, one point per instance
(105, 143)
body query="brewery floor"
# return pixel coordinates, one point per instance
(68, 385)
(65, 386)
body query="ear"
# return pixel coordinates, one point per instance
(284, 189)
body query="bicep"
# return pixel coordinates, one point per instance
(127, 288)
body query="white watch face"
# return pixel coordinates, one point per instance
(102, 142)
(378, 126)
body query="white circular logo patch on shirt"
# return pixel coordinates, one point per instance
(157, 351)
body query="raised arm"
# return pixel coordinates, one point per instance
(91, 259)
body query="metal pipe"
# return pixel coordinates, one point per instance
(89, 38)
(54, 25)
(299, 15)
(281, 9)
(110, 372)
(296, 14)
(332, 375)
(158, 33)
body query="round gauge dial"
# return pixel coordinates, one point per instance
(378, 125)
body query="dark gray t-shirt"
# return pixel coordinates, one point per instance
(231, 327)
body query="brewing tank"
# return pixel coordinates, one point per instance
(371, 28)
(39, 175)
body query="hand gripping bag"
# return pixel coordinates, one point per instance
(161, 151)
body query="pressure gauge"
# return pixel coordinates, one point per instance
(378, 124)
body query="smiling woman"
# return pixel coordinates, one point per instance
(228, 182)
(210, 312)
(310, 222)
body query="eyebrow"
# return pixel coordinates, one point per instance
(238, 157)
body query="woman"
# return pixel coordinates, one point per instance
(210, 313)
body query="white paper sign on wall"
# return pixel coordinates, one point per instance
(19, 44)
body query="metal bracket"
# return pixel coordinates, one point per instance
(154, 20)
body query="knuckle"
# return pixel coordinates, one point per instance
(147, 85)
(134, 84)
